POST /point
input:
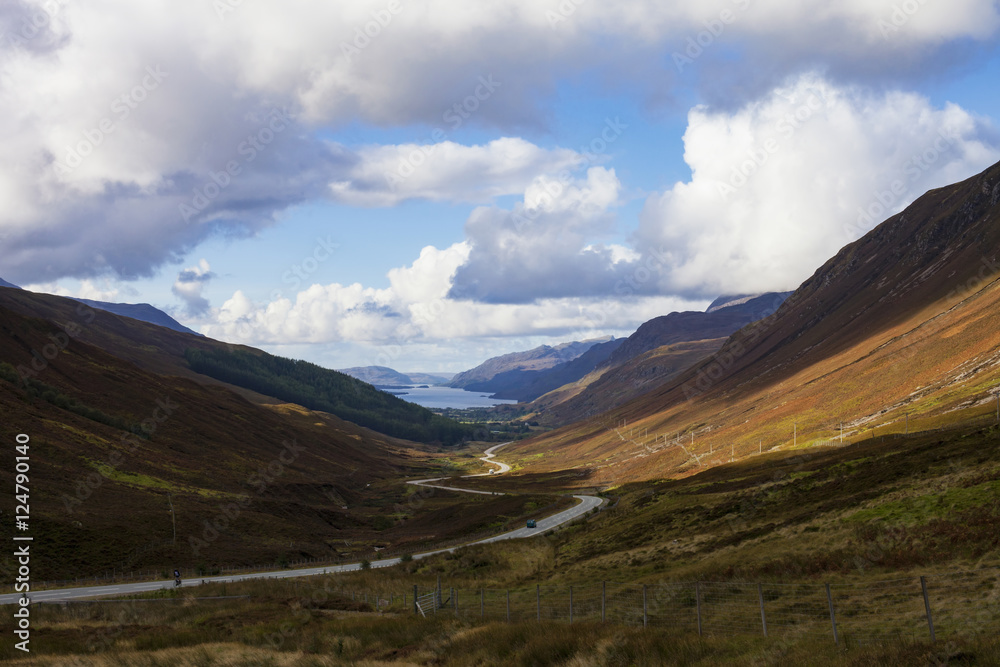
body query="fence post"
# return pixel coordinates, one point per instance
(437, 602)
(508, 605)
(927, 607)
(538, 602)
(833, 617)
(482, 604)
(416, 607)
(760, 598)
(645, 615)
(697, 600)
(454, 600)
(604, 597)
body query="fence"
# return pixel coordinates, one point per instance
(692, 442)
(935, 607)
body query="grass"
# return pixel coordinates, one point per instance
(279, 626)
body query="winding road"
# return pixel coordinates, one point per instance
(586, 504)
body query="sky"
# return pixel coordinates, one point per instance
(426, 184)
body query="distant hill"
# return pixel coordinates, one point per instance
(433, 379)
(319, 388)
(142, 312)
(658, 351)
(382, 376)
(526, 386)
(4, 283)
(537, 359)
(692, 325)
(377, 375)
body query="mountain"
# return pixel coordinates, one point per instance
(720, 321)
(652, 356)
(730, 300)
(540, 358)
(432, 379)
(142, 312)
(319, 388)
(4, 283)
(377, 375)
(900, 329)
(529, 385)
(381, 376)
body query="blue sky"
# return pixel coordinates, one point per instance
(606, 164)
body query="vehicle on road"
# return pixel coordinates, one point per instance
(531, 523)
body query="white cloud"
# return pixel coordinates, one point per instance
(189, 285)
(95, 290)
(387, 175)
(781, 184)
(544, 247)
(162, 95)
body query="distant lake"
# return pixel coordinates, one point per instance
(448, 397)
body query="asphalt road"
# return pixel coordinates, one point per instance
(586, 504)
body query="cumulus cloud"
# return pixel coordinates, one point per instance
(387, 175)
(189, 285)
(779, 185)
(122, 118)
(95, 290)
(544, 247)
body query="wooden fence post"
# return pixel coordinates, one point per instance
(697, 600)
(760, 598)
(833, 616)
(927, 607)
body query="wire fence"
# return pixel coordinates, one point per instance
(935, 607)
(702, 446)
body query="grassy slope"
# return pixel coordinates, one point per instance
(795, 517)
(608, 388)
(904, 320)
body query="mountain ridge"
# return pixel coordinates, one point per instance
(902, 320)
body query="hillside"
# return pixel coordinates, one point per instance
(4, 283)
(163, 351)
(899, 330)
(717, 322)
(140, 311)
(377, 375)
(317, 388)
(382, 376)
(656, 353)
(529, 362)
(526, 389)
(607, 388)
